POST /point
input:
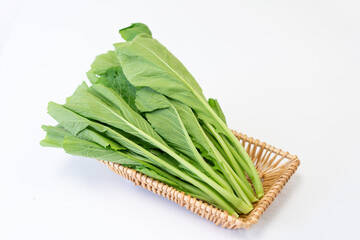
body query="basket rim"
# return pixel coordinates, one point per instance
(204, 209)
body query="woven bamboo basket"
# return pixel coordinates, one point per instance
(274, 166)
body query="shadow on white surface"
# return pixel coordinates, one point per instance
(86, 171)
(278, 207)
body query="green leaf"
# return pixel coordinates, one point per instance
(56, 131)
(196, 132)
(117, 115)
(54, 136)
(209, 151)
(114, 78)
(106, 70)
(192, 125)
(91, 107)
(75, 121)
(171, 180)
(155, 175)
(135, 29)
(148, 100)
(121, 115)
(103, 62)
(97, 138)
(147, 63)
(60, 114)
(79, 147)
(180, 185)
(167, 123)
(214, 104)
(93, 78)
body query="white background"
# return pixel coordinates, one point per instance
(286, 72)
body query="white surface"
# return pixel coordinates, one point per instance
(286, 72)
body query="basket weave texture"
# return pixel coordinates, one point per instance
(274, 166)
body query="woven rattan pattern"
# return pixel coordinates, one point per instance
(274, 166)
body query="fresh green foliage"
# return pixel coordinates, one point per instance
(133, 30)
(147, 63)
(214, 104)
(144, 110)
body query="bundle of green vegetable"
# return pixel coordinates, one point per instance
(145, 111)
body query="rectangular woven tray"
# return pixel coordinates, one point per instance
(274, 166)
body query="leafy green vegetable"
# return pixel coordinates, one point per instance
(144, 110)
(101, 64)
(54, 136)
(204, 143)
(214, 104)
(80, 147)
(167, 123)
(71, 120)
(133, 30)
(163, 72)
